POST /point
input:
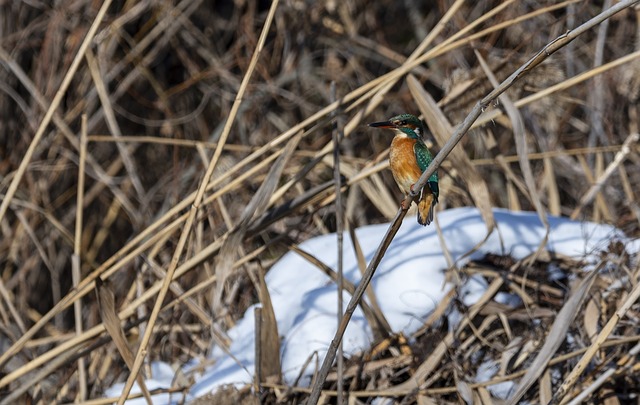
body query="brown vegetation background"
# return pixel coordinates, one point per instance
(157, 84)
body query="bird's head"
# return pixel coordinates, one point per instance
(407, 124)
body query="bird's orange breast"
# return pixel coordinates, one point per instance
(402, 160)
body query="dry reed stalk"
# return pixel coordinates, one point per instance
(337, 135)
(76, 259)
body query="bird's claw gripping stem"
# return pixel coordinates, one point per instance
(406, 203)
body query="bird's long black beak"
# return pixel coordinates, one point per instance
(382, 124)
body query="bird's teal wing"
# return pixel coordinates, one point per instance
(424, 158)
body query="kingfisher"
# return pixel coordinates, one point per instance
(409, 157)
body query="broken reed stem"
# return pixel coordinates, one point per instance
(458, 134)
(142, 350)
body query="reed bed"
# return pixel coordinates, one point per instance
(157, 157)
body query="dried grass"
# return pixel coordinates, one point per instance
(157, 81)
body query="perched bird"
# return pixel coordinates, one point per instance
(408, 158)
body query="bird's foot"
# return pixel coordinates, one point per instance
(406, 203)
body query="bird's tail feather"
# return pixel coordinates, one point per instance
(425, 208)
